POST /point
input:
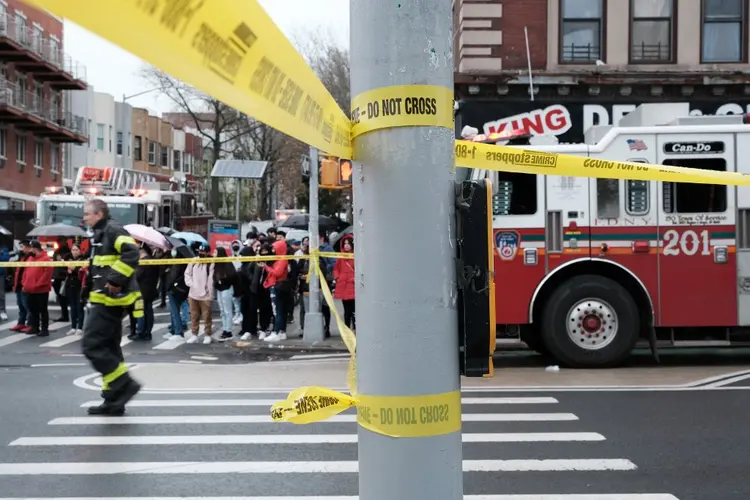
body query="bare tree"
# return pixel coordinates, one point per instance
(220, 125)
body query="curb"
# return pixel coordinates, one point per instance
(288, 349)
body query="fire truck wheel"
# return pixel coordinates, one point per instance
(590, 321)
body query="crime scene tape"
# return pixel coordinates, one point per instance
(394, 416)
(231, 50)
(402, 106)
(512, 159)
(173, 262)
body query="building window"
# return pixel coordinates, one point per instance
(723, 31)
(582, 31)
(54, 50)
(100, 136)
(151, 153)
(38, 154)
(3, 143)
(21, 31)
(20, 149)
(54, 158)
(651, 31)
(137, 147)
(23, 87)
(176, 160)
(165, 156)
(38, 39)
(119, 143)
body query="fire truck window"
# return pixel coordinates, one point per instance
(636, 194)
(608, 198)
(684, 198)
(516, 194)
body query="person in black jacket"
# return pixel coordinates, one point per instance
(75, 277)
(148, 280)
(111, 289)
(257, 298)
(225, 280)
(177, 296)
(58, 278)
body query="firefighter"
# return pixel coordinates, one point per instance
(112, 292)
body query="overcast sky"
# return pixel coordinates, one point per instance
(115, 71)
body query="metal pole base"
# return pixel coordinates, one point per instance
(313, 327)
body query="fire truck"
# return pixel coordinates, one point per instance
(133, 197)
(588, 268)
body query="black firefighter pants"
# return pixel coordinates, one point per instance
(102, 334)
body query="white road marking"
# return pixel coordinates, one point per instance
(63, 341)
(12, 339)
(44, 365)
(155, 403)
(204, 358)
(562, 496)
(6, 326)
(319, 467)
(190, 362)
(259, 419)
(170, 344)
(532, 437)
(125, 341)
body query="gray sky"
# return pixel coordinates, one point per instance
(115, 71)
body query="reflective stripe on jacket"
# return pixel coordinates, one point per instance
(114, 259)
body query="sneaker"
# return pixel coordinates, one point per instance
(274, 337)
(207, 340)
(18, 328)
(262, 335)
(72, 331)
(226, 336)
(246, 336)
(282, 335)
(43, 333)
(4, 316)
(167, 336)
(79, 332)
(237, 320)
(191, 339)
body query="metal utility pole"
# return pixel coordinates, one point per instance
(405, 271)
(313, 317)
(238, 200)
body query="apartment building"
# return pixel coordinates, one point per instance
(161, 148)
(36, 123)
(592, 61)
(109, 132)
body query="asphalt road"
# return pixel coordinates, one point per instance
(681, 444)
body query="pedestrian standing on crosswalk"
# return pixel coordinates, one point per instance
(4, 257)
(72, 290)
(37, 284)
(200, 279)
(113, 290)
(23, 325)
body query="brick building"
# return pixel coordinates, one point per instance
(594, 60)
(35, 122)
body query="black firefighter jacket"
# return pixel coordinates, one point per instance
(114, 260)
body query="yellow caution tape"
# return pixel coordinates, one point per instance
(402, 106)
(512, 159)
(191, 260)
(231, 50)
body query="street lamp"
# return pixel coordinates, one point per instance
(126, 97)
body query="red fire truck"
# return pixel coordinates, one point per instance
(586, 268)
(133, 197)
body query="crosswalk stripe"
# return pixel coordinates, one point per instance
(168, 403)
(8, 325)
(63, 341)
(12, 339)
(260, 419)
(561, 496)
(170, 344)
(125, 341)
(531, 437)
(318, 467)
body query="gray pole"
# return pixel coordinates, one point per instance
(405, 280)
(313, 317)
(237, 209)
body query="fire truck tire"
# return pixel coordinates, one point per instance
(590, 321)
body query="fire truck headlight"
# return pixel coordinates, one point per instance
(721, 255)
(529, 256)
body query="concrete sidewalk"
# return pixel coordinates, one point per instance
(287, 375)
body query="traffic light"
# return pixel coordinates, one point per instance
(345, 173)
(475, 266)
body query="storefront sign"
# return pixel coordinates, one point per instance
(568, 121)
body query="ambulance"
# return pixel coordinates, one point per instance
(588, 268)
(133, 197)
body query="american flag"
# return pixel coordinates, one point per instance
(636, 145)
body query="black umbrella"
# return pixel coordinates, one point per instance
(183, 251)
(302, 221)
(166, 231)
(57, 230)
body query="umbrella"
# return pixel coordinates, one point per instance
(349, 231)
(190, 237)
(302, 221)
(62, 230)
(5, 232)
(182, 249)
(166, 231)
(148, 235)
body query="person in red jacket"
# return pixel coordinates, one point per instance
(278, 285)
(37, 284)
(343, 273)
